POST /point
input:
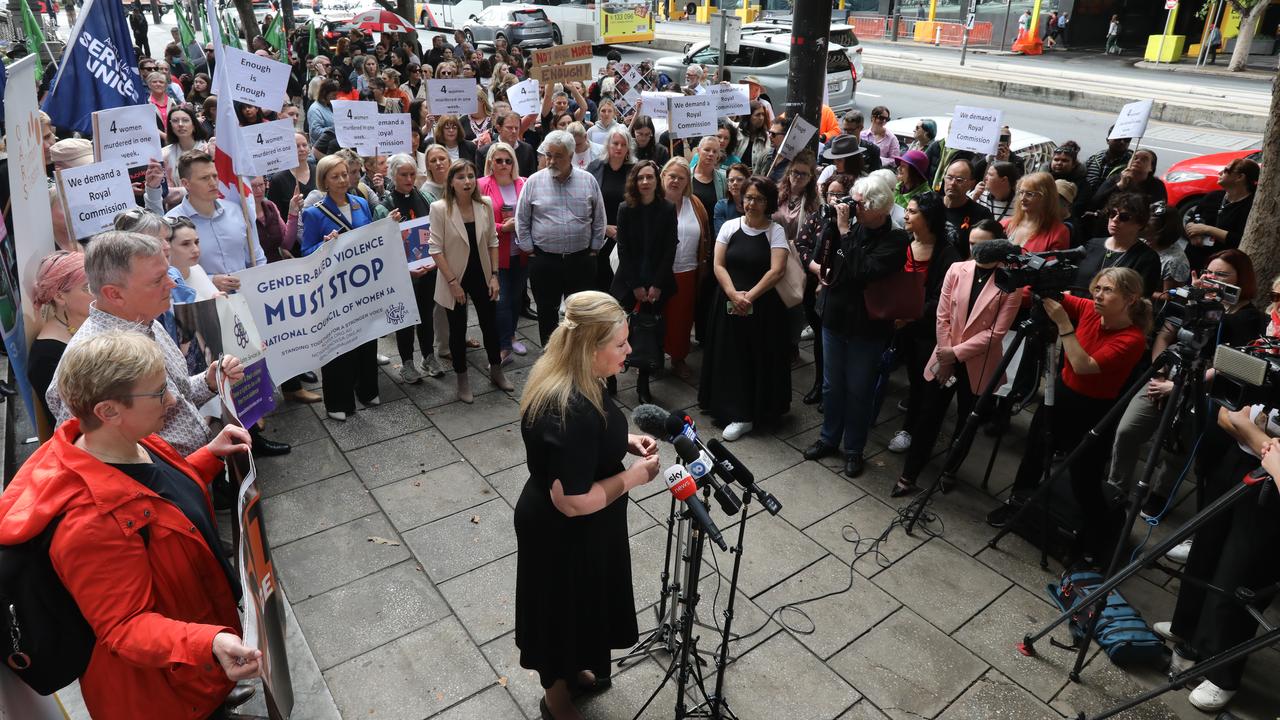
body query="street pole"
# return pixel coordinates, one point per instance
(968, 27)
(724, 24)
(1204, 35)
(807, 72)
(286, 11)
(1164, 32)
(893, 19)
(1004, 32)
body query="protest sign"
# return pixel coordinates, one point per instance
(1132, 121)
(452, 97)
(393, 134)
(692, 116)
(562, 54)
(351, 290)
(415, 234)
(130, 134)
(797, 139)
(975, 129)
(655, 103)
(731, 99)
(272, 146)
(548, 74)
(224, 326)
(524, 98)
(93, 195)
(255, 80)
(355, 126)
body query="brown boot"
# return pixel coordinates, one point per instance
(304, 396)
(464, 388)
(499, 378)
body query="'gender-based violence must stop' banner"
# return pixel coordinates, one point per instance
(351, 290)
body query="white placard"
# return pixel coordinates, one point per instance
(452, 97)
(524, 98)
(393, 134)
(256, 80)
(732, 32)
(94, 194)
(272, 146)
(130, 134)
(731, 99)
(32, 222)
(355, 125)
(975, 129)
(655, 103)
(1132, 121)
(416, 232)
(692, 116)
(798, 137)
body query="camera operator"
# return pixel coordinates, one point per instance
(1219, 218)
(1102, 341)
(1234, 549)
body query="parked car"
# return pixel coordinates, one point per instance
(1034, 149)
(522, 25)
(840, 34)
(1189, 180)
(766, 57)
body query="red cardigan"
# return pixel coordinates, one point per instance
(154, 606)
(490, 187)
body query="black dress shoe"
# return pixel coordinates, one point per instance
(309, 377)
(814, 396)
(529, 313)
(238, 696)
(818, 450)
(854, 465)
(7, 390)
(263, 447)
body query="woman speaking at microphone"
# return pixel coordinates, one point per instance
(574, 599)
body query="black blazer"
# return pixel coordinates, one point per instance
(467, 151)
(944, 256)
(646, 250)
(526, 156)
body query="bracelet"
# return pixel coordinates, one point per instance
(1072, 331)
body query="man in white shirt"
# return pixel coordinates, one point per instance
(226, 246)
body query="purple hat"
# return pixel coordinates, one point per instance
(917, 160)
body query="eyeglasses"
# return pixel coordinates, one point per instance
(159, 395)
(502, 161)
(800, 173)
(1120, 215)
(880, 117)
(774, 133)
(752, 199)
(1031, 194)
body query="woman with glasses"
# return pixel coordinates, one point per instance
(184, 133)
(502, 184)
(880, 136)
(61, 298)
(797, 200)
(277, 236)
(730, 206)
(690, 267)
(1036, 224)
(448, 134)
(746, 366)
(1218, 220)
(647, 146)
(814, 240)
(1127, 215)
(1139, 176)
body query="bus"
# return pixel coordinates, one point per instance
(574, 20)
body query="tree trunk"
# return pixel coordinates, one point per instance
(1248, 24)
(1261, 241)
(286, 9)
(406, 10)
(248, 23)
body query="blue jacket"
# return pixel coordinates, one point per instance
(316, 224)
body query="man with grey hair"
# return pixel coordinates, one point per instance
(129, 278)
(693, 78)
(560, 217)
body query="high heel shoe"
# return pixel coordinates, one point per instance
(814, 396)
(464, 389)
(499, 379)
(903, 487)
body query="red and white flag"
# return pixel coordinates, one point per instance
(231, 156)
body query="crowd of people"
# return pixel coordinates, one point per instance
(883, 254)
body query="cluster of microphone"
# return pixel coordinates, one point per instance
(701, 465)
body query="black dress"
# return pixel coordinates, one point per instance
(574, 598)
(746, 371)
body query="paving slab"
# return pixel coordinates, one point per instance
(1103, 685)
(323, 561)
(493, 450)
(402, 457)
(996, 697)
(781, 678)
(488, 411)
(510, 482)
(305, 464)
(485, 598)
(296, 426)
(810, 491)
(464, 541)
(942, 584)
(370, 425)
(433, 494)
(315, 507)
(866, 520)
(780, 552)
(492, 704)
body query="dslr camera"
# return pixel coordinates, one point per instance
(1048, 273)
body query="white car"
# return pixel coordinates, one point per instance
(1035, 149)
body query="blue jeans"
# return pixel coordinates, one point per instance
(850, 368)
(511, 282)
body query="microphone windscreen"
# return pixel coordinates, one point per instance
(685, 448)
(994, 251)
(651, 419)
(674, 424)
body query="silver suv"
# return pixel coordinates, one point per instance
(767, 58)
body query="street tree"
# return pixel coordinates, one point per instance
(1261, 237)
(1250, 12)
(248, 23)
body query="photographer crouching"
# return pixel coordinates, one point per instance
(1102, 341)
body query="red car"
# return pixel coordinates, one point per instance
(1191, 179)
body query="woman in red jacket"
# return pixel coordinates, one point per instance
(136, 547)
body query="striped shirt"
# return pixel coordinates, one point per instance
(560, 216)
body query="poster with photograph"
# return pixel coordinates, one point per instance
(416, 232)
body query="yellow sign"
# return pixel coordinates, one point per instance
(561, 54)
(547, 74)
(624, 22)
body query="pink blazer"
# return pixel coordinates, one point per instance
(489, 187)
(976, 339)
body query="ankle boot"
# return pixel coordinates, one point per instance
(499, 378)
(642, 388)
(464, 388)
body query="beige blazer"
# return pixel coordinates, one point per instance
(449, 236)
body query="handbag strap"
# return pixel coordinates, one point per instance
(337, 218)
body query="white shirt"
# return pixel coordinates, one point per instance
(777, 236)
(584, 158)
(688, 233)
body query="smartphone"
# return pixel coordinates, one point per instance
(728, 308)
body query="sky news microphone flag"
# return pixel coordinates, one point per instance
(99, 69)
(231, 156)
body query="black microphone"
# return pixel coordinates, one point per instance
(734, 469)
(995, 251)
(1075, 252)
(700, 465)
(685, 489)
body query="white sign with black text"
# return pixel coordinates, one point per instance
(692, 116)
(256, 80)
(272, 146)
(1132, 121)
(130, 134)
(731, 99)
(655, 103)
(93, 195)
(524, 98)
(355, 125)
(393, 134)
(452, 97)
(798, 137)
(975, 129)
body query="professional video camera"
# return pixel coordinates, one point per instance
(1197, 308)
(1048, 273)
(1248, 375)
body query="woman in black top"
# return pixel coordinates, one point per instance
(1137, 177)
(647, 145)
(1217, 221)
(412, 204)
(611, 174)
(61, 296)
(646, 237)
(1127, 215)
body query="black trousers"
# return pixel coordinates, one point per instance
(604, 269)
(933, 401)
(814, 320)
(350, 375)
(477, 290)
(555, 277)
(914, 353)
(424, 291)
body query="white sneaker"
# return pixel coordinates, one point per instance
(383, 359)
(901, 442)
(339, 416)
(432, 367)
(1179, 663)
(1179, 553)
(806, 333)
(410, 374)
(375, 401)
(736, 430)
(1165, 630)
(1209, 697)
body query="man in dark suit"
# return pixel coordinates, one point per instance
(509, 133)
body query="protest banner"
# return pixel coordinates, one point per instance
(272, 146)
(98, 69)
(548, 74)
(415, 234)
(654, 104)
(351, 290)
(1132, 121)
(797, 139)
(975, 129)
(93, 195)
(731, 99)
(393, 134)
(524, 98)
(562, 54)
(255, 80)
(452, 97)
(692, 116)
(354, 124)
(130, 134)
(224, 326)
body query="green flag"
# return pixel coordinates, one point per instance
(35, 37)
(185, 34)
(204, 22)
(230, 31)
(313, 49)
(275, 37)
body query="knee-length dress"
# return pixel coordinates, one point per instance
(574, 597)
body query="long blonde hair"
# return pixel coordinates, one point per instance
(590, 320)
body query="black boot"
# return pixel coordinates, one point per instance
(642, 388)
(814, 396)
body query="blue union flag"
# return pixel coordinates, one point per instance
(99, 69)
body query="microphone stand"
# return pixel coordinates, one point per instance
(662, 636)
(717, 705)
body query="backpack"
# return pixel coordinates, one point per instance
(45, 640)
(1120, 631)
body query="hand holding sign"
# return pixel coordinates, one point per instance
(975, 129)
(130, 134)
(256, 80)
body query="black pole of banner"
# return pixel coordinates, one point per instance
(286, 11)
(807, 73)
